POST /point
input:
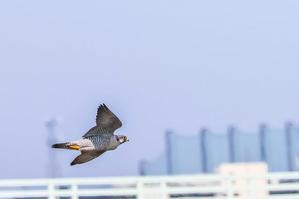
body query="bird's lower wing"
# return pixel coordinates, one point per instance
(86, 156)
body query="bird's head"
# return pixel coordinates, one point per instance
(122, 139)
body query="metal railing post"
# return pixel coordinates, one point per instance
(74, 191)
(229, 187)
(51, 190)
(164, 190)
(140, 189)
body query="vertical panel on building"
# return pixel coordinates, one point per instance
(217, 150)
(155, 167)
(292, 134)
(262, 134)
(289, 145)
(295, 140)
(169, 153)
(231, 143)
(276, 150)
(185, 156)
(247, 147)
(203, 149)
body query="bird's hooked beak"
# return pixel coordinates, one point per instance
(126, 139)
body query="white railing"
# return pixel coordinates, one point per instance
(273, 185)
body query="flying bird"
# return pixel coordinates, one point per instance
(98, 139)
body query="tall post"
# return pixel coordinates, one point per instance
(169, 159)
(263, 147)
(289, 145)
(53, 167)
(203, 149)
(231, 143)
(142, 165)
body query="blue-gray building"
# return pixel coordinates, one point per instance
(204, 152)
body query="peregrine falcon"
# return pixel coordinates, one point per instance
(98, 139)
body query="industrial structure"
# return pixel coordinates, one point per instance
(204, 152)
(53, 167)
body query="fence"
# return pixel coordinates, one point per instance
(272, 185)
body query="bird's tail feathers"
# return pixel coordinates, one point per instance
(66, 145)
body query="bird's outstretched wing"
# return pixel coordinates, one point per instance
(106, 122)
(86, 156)
(106, 119)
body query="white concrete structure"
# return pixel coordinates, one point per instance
(277, 185)
(256, 172)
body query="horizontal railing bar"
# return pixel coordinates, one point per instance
(132, 186)
(284, 196)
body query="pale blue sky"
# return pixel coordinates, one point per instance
(157, 64)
